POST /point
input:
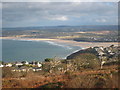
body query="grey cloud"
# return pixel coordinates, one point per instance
(59, 0)
(37, 12)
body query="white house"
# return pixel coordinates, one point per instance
(101, 48)
(25, 62)
(101, 53)
(36, 69)
(109, 51)
(39, 64)
(19, 64)
(1, 65)
(112, 53)
(8, 65)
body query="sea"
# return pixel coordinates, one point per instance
(28, 50)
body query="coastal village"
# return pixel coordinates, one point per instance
(105, 55)
(94, 63)
(23, 66)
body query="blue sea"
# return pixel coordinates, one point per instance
(22, 50)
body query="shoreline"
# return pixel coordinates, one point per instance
(66, 43)
(83, 45)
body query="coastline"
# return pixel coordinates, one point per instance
(83, 45)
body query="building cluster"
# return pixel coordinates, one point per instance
(23, 66)
(107, 54)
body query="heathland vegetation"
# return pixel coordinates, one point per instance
(95, 67)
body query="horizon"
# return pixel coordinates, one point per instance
(58, 26)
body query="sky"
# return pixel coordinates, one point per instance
(60, 0)
(31, 14)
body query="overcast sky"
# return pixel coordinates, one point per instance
(21, 14)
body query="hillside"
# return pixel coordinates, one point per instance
(87, 78)
(103, 54)
(95, 67)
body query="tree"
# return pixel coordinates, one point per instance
(48, 59)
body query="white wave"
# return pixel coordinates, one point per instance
(73, 52)
(61, 45)
(18, 39)
(52, 43)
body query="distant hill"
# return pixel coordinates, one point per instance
(64, 28)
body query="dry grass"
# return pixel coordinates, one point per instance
(87, 78)
(107, 78)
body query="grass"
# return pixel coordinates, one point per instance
(85, 78)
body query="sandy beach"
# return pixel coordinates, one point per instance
(68, 42)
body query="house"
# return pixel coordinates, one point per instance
(39, 64)
(36, 63)
(102, 48)
(8, 65)
(111, 53)
(33, 63)
(25, 62)
(101, 52)
(36, 69)
(18, 64)
(1, 65)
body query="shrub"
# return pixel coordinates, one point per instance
(6, 72)
(48, 59)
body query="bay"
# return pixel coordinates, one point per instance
(20, 50)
